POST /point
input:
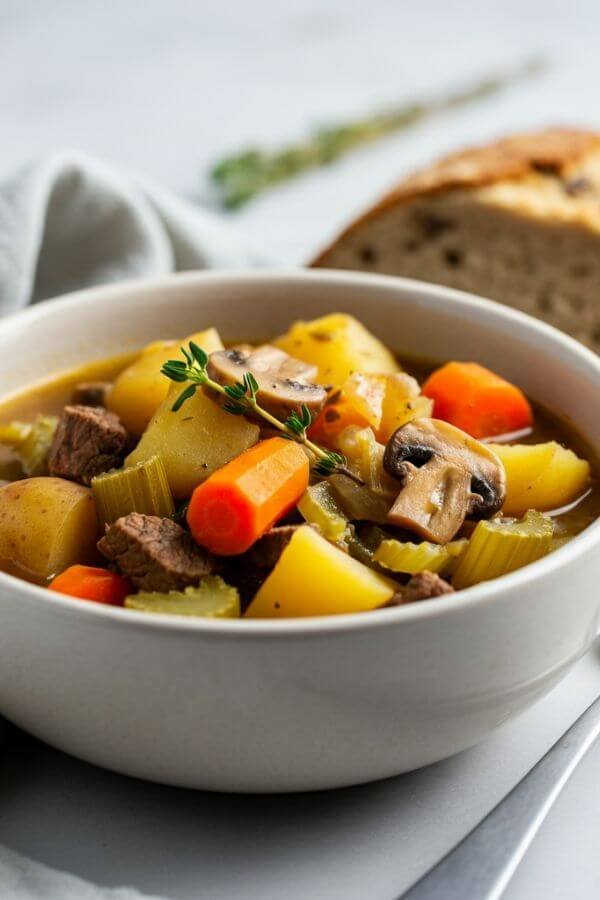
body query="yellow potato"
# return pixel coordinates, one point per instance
(194, 441)
(339, 345)
(46, 525)
(314, 578)
(541, 476)
(140, 388)
(403, 401)
(523, 464)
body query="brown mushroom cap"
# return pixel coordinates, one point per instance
(447, 476)
(284, 384)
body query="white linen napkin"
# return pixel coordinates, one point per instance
(69, 222)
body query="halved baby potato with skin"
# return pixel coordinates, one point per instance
(46, 525)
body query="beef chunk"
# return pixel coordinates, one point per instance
(421, 587)
(88, 441)
(248, 571)
(91, 393)
(267, 550)
(156, 554)
(245, 578)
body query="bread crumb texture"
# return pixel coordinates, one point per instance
(517, 221)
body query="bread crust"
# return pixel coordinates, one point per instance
(555, 151)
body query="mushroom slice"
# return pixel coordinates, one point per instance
(447, 476)
(271, 359)
(284, 383)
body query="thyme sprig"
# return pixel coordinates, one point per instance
(241, 177)
(242, 400)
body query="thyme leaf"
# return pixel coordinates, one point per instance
(185, 395)
(199, 354)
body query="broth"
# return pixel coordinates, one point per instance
(50, 396)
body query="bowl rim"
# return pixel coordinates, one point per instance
(457, 604)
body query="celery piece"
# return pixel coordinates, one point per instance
(414, 558)
(31, 443)
(358, 548)
(14, 433)
(212, 599)
(34, 450)
(358, 502)
(142, 488)
(319, 507)
(364, 540)
(497, 548)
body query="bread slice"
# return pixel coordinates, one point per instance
(517, 221)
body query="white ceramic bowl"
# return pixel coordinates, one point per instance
(311, 703)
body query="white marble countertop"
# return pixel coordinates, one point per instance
(166, 87)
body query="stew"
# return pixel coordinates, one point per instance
(313, 474)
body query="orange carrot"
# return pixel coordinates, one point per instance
(238, 503)
(480, 402)
(90, 583)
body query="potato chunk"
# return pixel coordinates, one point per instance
(46, 525)
(541, 476)
(338, 345)
(403, 402)
(194, 441)
(314, 578)
(140, 388)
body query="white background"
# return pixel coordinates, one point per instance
(167, 87)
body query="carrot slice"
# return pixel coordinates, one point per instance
(90, 583)
(238, 503)
(477, 400)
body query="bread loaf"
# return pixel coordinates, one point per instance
(517, 221)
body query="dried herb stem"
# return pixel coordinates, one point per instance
(241, 177)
